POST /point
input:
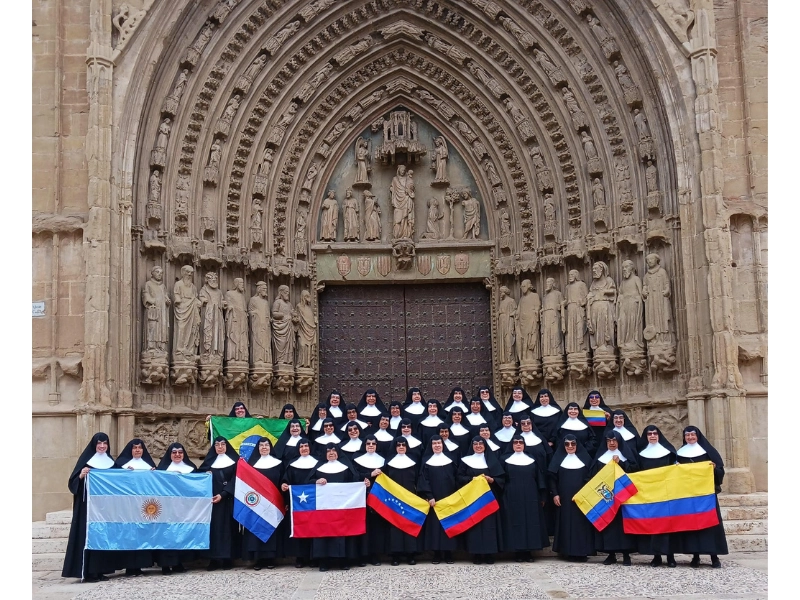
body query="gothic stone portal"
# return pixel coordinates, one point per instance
(394, 337)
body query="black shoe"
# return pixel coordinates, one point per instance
(345, 567)
(227, 565)
(477, 560)
(489, 559)
(323, 568)
(362, 564)
(269, 564)
(581, 559)
(671, 561)
(179, 569)
(395, 562)
(626, 559)
(411, 561)
(299, 564)
(166, 571)
(377, 563)
(259, 564)
(656, 562)
(695, 561)
(529, 557)
(610, 559)
(448, 558)
(213, 565)
(133, 572)
(437, 558)
(715, 564)
(92, 578)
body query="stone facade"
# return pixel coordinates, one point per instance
(610, 154)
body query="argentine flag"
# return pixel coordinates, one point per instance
(148, 510)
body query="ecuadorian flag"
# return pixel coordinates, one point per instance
(238, 429)
(396, 504)
(595, 417)
(672, 499)
(466, 507)
(601, 498)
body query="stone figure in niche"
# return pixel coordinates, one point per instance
(454, 52)
(156, 306)
(552, 313)
(528, 314)
(300, 236)
(491, 172)
(575, 314)
(154, 191)
(607, 43)
(657, 306)
(212, 167)
(543, 176)
(506, 326)
(306, 331)
(629, 89)
(186, 306)
(330, 218)
(196, 49)
(465, 131)
(351, 223)
(266, 162)
(523, 36)
(553, 72)
(578, 116)
(255, 67)
(440, 105)
(236, 348)
(372, 218)
(309, 11)
(523, 123)
(171, 102)
(401, 195)
(282, 328)
(260, 331)
(213, 323)
(598, 193)
(588, 146)
(158, 157)
(279, 129)
(497, 90)
(363, 167)
(472, 216)
(651, 177)
(353, 50)
(549, 208)
(274, 43)
(440, 155)
(224, 123)
(600, 303)
(646, 148)
(630, 309)
(256, 215)
(478, 149)
(182, 205)
(312, 84)
(433, 225)
(505, 230)
(311, 175)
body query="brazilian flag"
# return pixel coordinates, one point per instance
(238, 429)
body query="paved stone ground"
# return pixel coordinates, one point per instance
(743, 577)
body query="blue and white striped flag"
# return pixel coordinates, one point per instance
(148, 510)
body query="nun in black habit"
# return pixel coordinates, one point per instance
(429, 426)
(315, 423)
(224, 541)
(237, 410)
(87, 565)
(395, 416)
(384, 436)
(519, 402)
(568, 472)
(286, 446)
(490, 404)
(415, 408)
(351, 412)
(524, 492)
(402, 469)
(710, 540)
(655, 451)
(484, 539)
(457, 398)
(459, 433)
(477, 416)
(437, 480)
(369, 465)
(135, 457)
(370, 409)
(175, 460)
(352, 443)
(573, 422)
(503, 435)
(415, 446)
(264, 553)
(335, 404)
(450, 448)
(329, 436)
(300, 471)
(620, 423)
(289, 412)
(485, 432)
(594, 401)
(613, 538)
(536, 445)
(546, 414)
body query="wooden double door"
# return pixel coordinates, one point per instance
(392, 337)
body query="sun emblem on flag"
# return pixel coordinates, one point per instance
(251, 498)
(151, 509)
(605, 492)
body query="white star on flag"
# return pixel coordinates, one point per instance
(303, 497)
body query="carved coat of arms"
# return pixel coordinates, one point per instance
(461, 263)
(364, 265)
(443, 263)
(384, 265)
(424, 264)
(344, 265)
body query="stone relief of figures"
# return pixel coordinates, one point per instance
(601, 312)
(306, 322)
(278, 130)
(155, 339)
(212, 331)
(186, 307)
(401, 196)
(523, 37)
(494, 86)
(311, 175)
(442, 107)
(363, 162)
(505, 229)
(158, 157)
(309, 11)
(439, 163)
(579, 120)
(550, 223)
(400, 136)
(646, 147)
(372, 218)
(678, 16)
(454, 53)
(553, 72)
(544, 178)
(181, 210)
(491, 172)
(194, 51)
(283, 340)
(507, 336)
(211, 172)
(256, 221)
(273, 44)
(236, 336)
(351, 221)
(330, 218)
(658, 332)
(528, 334)
(224, 122)
(350, 52)
(260, 338)
(592, 158)
(653, 193)
(630, 90)
(472, 216)
(253, 69)
(336, 131)
(574, 325)
(154, 196)
(172, 101)
(300, 235)
(630, 311)
(607, 43)
(223, 9)
(598, 192)
(435, 221)
(623, 177)
(314, 82)
(552, 331)
(264, 169)
(522, 123)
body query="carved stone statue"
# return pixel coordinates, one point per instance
(211, 174)
(472, 216)
(351, 222)
(363, 167)
(550, 225)
(330, 218)
(592, 158)
(260, 338)
(236, 322)
(598, 192)
(630, 90)
(607, 43)
(350, 52)
(579, 120)
(439, 165)
(300, 235)
(186, 306)
(440, 105)
(306, 332)
(646, 147)
(524, 37)
(158, 157)
(314, 82)
(279, 129)
(282, 329)
(245, 81)
(553, 72)
(172, 101)
(523, 124)
(491, 172)
(372, 218)
(435, 221)
(552, 332)
(274, 43)
(194, 51)
(311, 175)
(156, 303)
(494, 86)
(181, 212)
(543, 175)
(656, 292)
(630, 309)
(575, 325)
(154, 191)
(528, 335)
(265, 165)
(224, 122)
(651, 177)
(401, 195)
(505, 230)
(212, 340)
(601, 310)
(506, 327)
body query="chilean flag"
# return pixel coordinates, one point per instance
(257, 503)
(330, 510)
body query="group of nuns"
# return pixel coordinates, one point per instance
(534, 456)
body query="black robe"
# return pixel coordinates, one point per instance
(710, 540)
(574, 535)
(377, 535)
(334, 547)
(658, 543)
(547, 426)
(586, 438)
(252, 546)
(300, 548)
(613, 537)
(486, 536)
(225, 540)
(524, 527)
(399, 541)
(436, 483)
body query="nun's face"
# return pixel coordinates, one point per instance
(437, 446)
(416, 397)
(594, 400)
(444, 434)
(383, 423)
(544, 399)
(516, 395)
(432, 409)
(137, 451)
(371, 399)
(328, 428)
(401, 448)
(485, 394)
(478, 447)
(690, 437)
(570, 447)
(176, 454)
(508, 420)
(352, 432)
(294, 429)
(304, 450)
(395, 411)
(458, 396)
(322, 412)
(371, 446)
(240, 411)
(518, 445)
(485, 433)
(332, 454)
(652, 436)
(612, 444)
(456, 416)
(619, 421)
(475, 407)
(101, 447)
(352, 414)
(405, 430)
(526, 425)
(335, 400)
(220, 447)
(264, 448)
(572, 412)
(288, 413)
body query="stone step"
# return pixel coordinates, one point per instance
(744, 513)
(61, 517)
(755, 499)
(746, 527)
(50, 546)
(53, 561)
(747, 543)
(42, 530)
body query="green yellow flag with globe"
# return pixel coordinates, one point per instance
(238, 429)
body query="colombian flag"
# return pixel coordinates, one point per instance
(672, 499)
(238, 429)
(601, 498)
(595, 417)
(396, 504)
(466, 507)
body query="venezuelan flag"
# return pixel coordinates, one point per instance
(672, 499)
(238, 429)
(396, 504)
(466, 507)
(595, 417)
(601, 498)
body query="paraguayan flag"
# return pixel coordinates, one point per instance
(148, 510)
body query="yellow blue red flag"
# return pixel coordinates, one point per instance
(601, 498)
(396, 504)
(466, 507)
